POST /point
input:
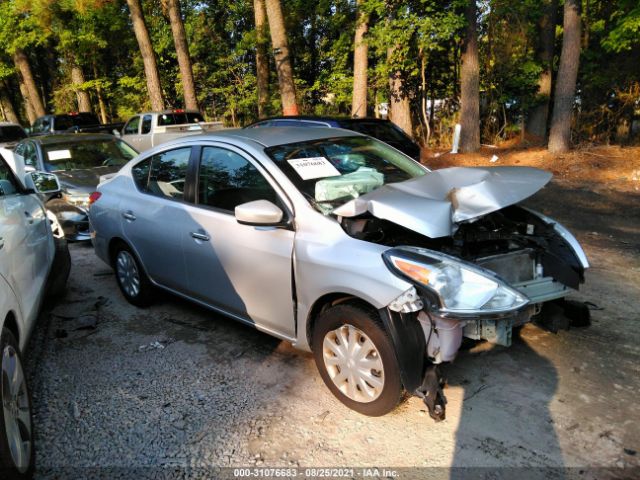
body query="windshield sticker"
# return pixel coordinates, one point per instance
(314, 167)
(59, 154)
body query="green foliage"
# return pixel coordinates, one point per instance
(421, 40)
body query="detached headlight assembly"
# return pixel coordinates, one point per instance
(459, 287)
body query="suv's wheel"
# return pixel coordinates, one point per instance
(132, 280)
(356, 359)
(17, 454)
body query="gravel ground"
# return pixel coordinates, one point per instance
(175, 390)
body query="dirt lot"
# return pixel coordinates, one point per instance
(174, 386)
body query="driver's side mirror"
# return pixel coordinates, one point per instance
(43, 182)
(259, 213)
(116, 133)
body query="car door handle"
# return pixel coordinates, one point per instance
(128, 216)
(200, 236)
(29, 218)
(1, 243)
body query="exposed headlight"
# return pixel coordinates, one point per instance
(460, 287)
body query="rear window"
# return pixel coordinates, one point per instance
(65, 122)
(178, 118)
(11, 133)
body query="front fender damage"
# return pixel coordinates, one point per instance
(419, 375)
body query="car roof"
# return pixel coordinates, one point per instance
(10, 124)
(69, 137)
(272, 136)
(313, 118)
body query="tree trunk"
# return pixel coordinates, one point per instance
(470, 85)
(182, 51)
(77, 78)
(148, 56)
(30, 92)
(536, 125)
(8, 112)
(262, 61)
(31, 114)
(360, 65)
(565, 94)
(399, 106)
(282, 58)
(104, 118)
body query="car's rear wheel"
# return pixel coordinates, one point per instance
(17, 454)
(357, 360)
(132, 280)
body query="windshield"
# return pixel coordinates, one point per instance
(11, 133)
(178, 118)
(75, 155)
(332, 171)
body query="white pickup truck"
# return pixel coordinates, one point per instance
(148, 129)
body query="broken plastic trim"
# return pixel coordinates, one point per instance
(408, 302)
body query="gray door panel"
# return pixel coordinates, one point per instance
(242, 269)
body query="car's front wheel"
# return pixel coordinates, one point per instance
(132, 280)
(356, 359)
(17, 455)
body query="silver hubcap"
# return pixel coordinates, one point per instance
(127, 272)
(15, 406)
(353, 363)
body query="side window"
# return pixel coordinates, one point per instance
(131, 128)
(45, 124)
(168, 173)
(8, 183)
(140, 173)
(226, 180)
(146, 124)
(30, 156)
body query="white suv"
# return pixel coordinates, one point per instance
(32, 264)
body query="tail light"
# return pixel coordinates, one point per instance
(93, 198)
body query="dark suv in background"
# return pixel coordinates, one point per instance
(383, 130)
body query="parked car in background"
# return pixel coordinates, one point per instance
(340, 244)
(79, 160)
(32, 264)
(383, 130)
(149, 129)
(73, 122)
(10, 134)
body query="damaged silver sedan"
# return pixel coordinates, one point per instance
(341, 245)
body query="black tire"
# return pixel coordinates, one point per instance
(369, 323)
(144, 295)
(60, 269)
(8, 468)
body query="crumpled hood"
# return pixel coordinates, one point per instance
(434, 203)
